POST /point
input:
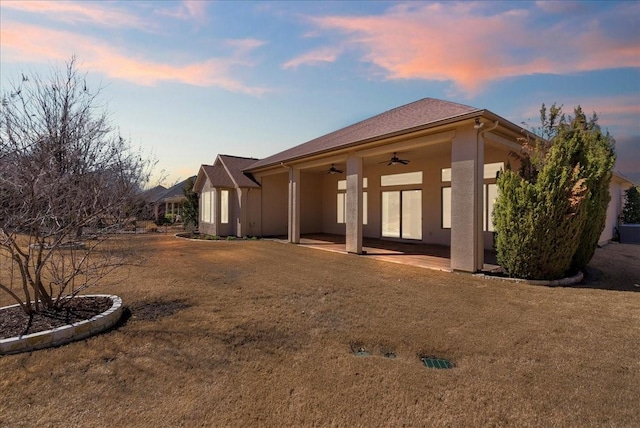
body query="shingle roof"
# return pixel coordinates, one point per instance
(218, 176)
(427, 111)
(176, 190)
(235, 166)
(155, 194)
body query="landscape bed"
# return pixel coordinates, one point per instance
(261, 333)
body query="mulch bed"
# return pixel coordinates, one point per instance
(15, 322)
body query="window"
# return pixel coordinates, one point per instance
(446, 207)
(341, 202)
(402, 214)
(411, 225)
(403, 179)
(342, 207)
(206, 207)
(491, 171)
(489, 195)
(391, 214)
(224, 206)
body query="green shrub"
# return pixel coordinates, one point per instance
(596, 158)
(631, 211)
(162, 220)
(550, 214)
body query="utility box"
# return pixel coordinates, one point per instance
(630, 233)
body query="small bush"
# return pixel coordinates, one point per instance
(631, 211)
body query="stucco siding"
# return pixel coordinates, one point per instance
(275, 204)
(254, 202)
(311, 192)
(204, 227)
(614, 210)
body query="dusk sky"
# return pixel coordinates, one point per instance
(189, 80)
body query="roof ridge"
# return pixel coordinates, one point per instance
(240, 157)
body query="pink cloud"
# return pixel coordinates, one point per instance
(188, 10)
(326, 54)
(27, 43)
(76, 12)
(470, 45)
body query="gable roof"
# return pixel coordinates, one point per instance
(176, 191)
(423, 113)
(154, 195)
(226, 172)
(234, 165)
(217, 175)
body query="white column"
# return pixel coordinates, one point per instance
(242, 227)
(294, 206)
(467, 171)
(215, 211)
(353, 215)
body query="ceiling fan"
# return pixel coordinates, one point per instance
(334, 170)
(395, 160)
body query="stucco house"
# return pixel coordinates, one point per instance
(165, 202)
(230, 200)
(424, 172)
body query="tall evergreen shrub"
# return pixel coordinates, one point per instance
(596, 156)
(190, 207)
(550, 213)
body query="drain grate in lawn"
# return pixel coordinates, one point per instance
(436, 363)
(359, 350)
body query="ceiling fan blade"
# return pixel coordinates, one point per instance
(403, 161)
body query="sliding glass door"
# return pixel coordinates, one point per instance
(402, 214)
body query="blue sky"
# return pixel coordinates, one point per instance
(188, 80)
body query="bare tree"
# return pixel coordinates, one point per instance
(63, 170)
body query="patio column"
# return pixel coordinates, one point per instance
(215, 210)
(467, 177)
(294, 205)
(241, 216)
(353, 215)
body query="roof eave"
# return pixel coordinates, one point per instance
(435, 124)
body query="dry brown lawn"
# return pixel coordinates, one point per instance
(259, 333)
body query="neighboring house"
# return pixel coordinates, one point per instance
(166, 202)
(229, 199)
(424, 172)
(152, 199)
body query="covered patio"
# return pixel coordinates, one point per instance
(415, 184)
(430, 256)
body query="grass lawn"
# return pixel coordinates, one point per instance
(260, 333)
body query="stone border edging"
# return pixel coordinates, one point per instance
(65, 334)
(553, 283)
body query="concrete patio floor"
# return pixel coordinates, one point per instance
(423, 255)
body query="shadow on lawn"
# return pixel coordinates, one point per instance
(150, 311)
(595, 278)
